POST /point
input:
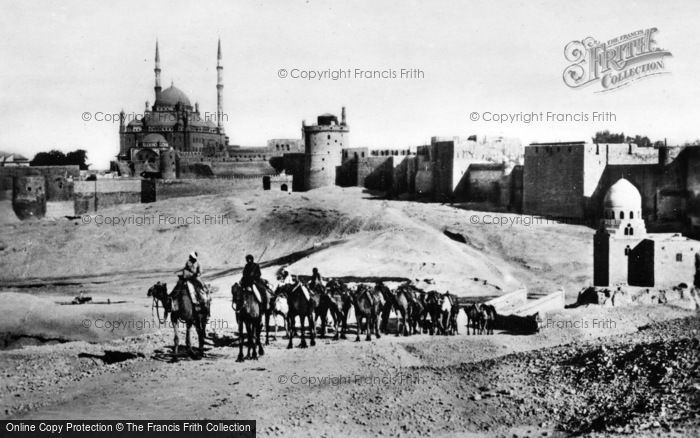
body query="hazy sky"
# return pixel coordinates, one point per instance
(61, 59)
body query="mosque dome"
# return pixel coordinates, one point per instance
(623, 196)
(171, 96)
(154, 139)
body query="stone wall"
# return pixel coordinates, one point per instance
(59, 180)
(553, 180)
(92, 196)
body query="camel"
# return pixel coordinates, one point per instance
(402, 302)
(249, 314)
(278, 306)
(186, 312)
(336, 299)
(303, 307)
(449, 310)
(368, 305)
(474, 319)
(488, 316)
(433, 308)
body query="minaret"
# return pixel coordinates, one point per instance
(342, 117)
(219, 89)
(157, 71)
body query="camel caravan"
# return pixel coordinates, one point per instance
(255, 300)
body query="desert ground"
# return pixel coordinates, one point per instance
(594, 370)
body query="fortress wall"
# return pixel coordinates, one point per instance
(91, 196)
(483, 182)
(294, 166)
(376, 173)
(553, 180)
(59, 180)
(630, 153)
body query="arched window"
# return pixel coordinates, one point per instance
(627, 250)
(622, 215)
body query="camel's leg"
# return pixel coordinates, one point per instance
(302, 322)
(188, 326)
(345, 324)
(261, 352)
(250, 328)
(267, 328)
(312, 327)
(176, 339)
(324, 320)
(257, 344)
(371, 319)
(290, 329)
(336, 320)
(241, 340)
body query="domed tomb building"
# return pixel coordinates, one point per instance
(624, 254)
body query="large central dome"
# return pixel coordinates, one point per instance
(171, 96)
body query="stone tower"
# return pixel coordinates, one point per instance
(219, 88)
(324, 143)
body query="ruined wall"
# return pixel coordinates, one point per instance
(692, 159)
(294, 166)
(92, 196)
(376, 173)
(674, 261)
(484, 182)
(59, 180)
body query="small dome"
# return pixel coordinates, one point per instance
(154, 138)
(623, 195)
(171, 96)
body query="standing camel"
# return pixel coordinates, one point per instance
(249, 314)
(185, 312)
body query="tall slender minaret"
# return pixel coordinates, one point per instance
(157, 71)
(219, 88)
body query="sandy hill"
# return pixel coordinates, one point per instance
(376, 238)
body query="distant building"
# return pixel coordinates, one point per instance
(12, 160)
(624, 253)
(324, 143)
(173, 138)
(570, 179)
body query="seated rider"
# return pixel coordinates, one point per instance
(316, 279)
(192, 273)
(252, 279)
(285, 278)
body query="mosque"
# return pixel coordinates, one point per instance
(174, 138)
(624, 254)
(171, 124)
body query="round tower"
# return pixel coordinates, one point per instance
(29, 196)
(324, 143)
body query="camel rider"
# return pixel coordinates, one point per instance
(316, 278)
(192, 273)
(252, 279)
(285, 278)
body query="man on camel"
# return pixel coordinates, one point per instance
(252, 279)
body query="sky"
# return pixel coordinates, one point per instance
(59, 60)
